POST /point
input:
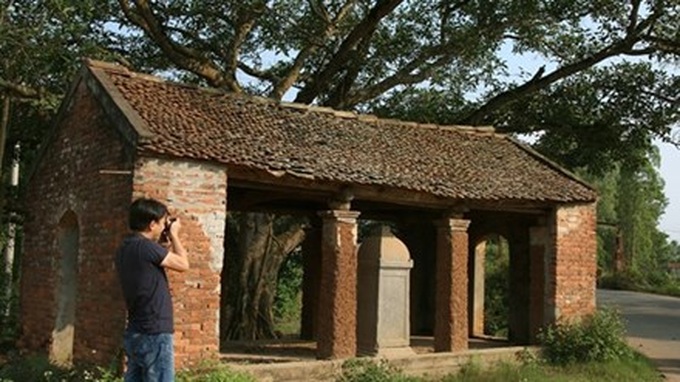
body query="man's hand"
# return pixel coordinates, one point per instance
(177, 258)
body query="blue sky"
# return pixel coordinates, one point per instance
(670, 163)
(523, 66)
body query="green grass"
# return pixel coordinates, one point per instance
(637, 369)
(634, 369)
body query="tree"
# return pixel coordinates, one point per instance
(41, 42)
(641, 204)
(378, 55)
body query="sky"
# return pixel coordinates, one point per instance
(521, 66)
(670, 171)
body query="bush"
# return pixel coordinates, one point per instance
(38, 368)
(359, 370)
(596, 338)
(221, 375)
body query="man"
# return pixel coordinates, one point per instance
(141, 263)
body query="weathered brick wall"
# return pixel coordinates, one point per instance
(336, 332)
(68, 178)
(197, 194)
(571, 267)
(451, 310)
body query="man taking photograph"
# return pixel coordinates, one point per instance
(141, 262)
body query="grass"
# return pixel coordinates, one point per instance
(637, 369)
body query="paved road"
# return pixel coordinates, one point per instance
(653, 324)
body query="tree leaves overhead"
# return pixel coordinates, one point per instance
(601, 117)
(42, 42)
(373, 55)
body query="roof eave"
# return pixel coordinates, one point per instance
(123, 116)
(553, 165)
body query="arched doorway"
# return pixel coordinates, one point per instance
(490, 268)
(61, 352)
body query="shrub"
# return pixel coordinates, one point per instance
(598, 337)
(359, 370)
(38, 368)
(221, 375)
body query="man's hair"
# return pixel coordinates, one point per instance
(145, 210)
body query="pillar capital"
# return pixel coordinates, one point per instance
(453, 223)
(340, 215)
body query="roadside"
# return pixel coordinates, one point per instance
(653, 323)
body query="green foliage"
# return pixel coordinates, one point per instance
(594, 119)
(217, 374)
(288, 300)
(38, 368)
(658, 282)
(633, 370)
(596, 338)
(630, 206)
(365, 370)
(496, 287)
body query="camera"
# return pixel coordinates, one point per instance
(165, 235)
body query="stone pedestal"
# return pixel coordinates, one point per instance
(383, 326)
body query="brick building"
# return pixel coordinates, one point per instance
(120, 135)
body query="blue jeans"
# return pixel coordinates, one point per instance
(150, 357)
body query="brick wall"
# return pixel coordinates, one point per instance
(68, 178)
(337, 308)
(571, 267)
(197, 194)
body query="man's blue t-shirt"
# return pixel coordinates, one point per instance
(145, 285)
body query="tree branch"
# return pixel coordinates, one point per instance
(336, 99)
(341, 57)
(261, 74)
(672, 101)
(663, 44)
(182, 56)
(633, 18)
(20, 91)
(293, 74)
(477, 117)
(245, 21)
(624, 46)
(403, 76)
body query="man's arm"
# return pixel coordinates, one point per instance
(177, 258)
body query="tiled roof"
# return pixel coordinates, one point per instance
(447, 161)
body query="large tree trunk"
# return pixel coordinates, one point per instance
(254, 254)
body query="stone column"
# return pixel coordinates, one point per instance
(451, 311)
(478, 263)
(336, 332)
(538, 245)
(311, 277)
